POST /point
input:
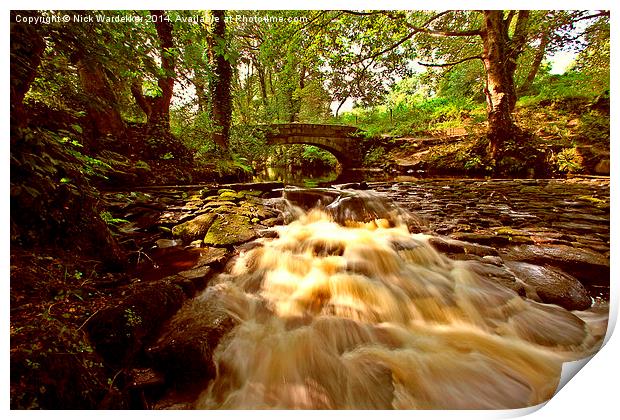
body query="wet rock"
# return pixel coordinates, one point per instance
(195, 228)
(214, 257)
(603, 167)
(581, 227)
(307, 199)
(218, 203)
(229, 229)
(552, 286)
(549, 326)
(230, 195)
(184, 351)
(187, 284)
(272, 221)
(166, 243)
(497, 275)
(198, 276)
(454, 246)
(486, 239)
(253, 210)
(144, 377)
(491, 259)
(119, 331)
(588, 266)
(267, 233)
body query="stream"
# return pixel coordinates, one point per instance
(427, 294)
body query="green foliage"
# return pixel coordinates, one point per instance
(248, 142)
(573, 84)
(413, 116)
(111, 220)
(317, 156)
(374, 157)
(132, 318)
(569, 161)
(142, 165)
(595, 128)
(195, 131)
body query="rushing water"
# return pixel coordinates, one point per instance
(348, 309)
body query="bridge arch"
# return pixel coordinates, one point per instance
(339, 140)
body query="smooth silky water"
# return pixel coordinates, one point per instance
(347, 309)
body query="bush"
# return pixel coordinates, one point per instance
(569, 161)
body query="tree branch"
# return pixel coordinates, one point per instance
(356, 13)
(601, 13)
(519, 37)
(510, 16)
(475, 57)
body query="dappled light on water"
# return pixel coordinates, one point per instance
(370, 316)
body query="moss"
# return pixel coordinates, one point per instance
(195, 228)
(531, 189)
(508, 231)
(601, 204)
(229, 229)
(254, 193)
(231, 195)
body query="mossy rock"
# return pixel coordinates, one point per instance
(230, 229)
(231, 195)
(256, 211)
(531, 189)
(253, 193)
(194, 229)
(218, 203)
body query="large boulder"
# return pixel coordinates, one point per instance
(589, 267)
(195, 228)
(497, 275)
(184, 351)
(119, 331)
(229, 229)
(552, 285)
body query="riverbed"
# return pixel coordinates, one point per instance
(542, 245)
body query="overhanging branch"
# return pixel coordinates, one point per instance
(416, 30)
(475, 57)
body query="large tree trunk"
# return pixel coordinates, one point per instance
(159, 119)
(103, 104)
(221, 98)
(157, 109)
(27, 47)
(499, 57)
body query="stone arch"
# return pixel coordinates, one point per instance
(340, 141)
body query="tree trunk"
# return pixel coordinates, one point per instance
(157, 109)
(500, 64)
(340, 106)
(27, 47)
(538, 58)
(262, 82)
(222, 99)
(103, 104)
(201, 93)
(296, 102)
(159, 119)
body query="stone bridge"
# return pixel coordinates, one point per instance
(340, 140)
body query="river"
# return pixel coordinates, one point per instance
(436, 293)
